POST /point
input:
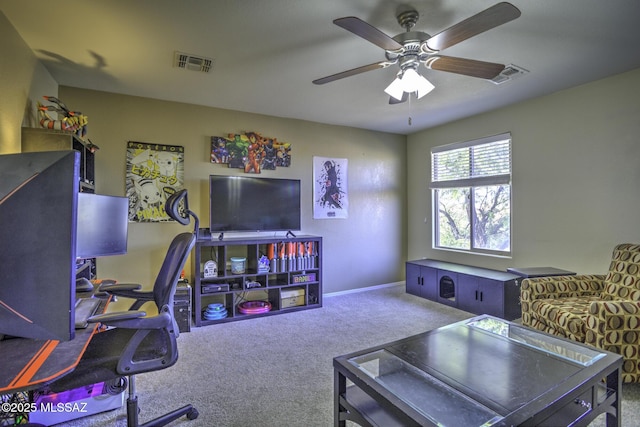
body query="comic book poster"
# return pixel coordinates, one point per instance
(330, 194)
(250, 151)
(154, 173)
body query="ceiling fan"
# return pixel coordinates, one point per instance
(412, 48)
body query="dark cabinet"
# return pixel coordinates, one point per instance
(473, 289)
(481, 295)
(420, 281)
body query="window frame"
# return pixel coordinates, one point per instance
(467, 180)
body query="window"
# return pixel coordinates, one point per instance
(471, 185)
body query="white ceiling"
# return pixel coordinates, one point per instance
(267, 52)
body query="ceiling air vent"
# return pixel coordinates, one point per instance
(193, 62)
(509, 73)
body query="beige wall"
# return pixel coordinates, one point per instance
(23, 82)
(364, 250)
(576, 176)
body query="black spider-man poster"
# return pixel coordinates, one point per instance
(330, 195)
(154, 172)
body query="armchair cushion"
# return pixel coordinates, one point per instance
(565, 316)
(623, 279)
(615, 326)
(551, 289)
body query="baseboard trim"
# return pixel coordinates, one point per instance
(365, 289)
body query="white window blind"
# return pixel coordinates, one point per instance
(485, 161)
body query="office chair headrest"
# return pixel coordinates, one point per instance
(177, 207)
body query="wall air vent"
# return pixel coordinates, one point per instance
(509, 73)
(193, 62)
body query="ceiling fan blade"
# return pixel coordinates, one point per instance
(393, 101)
(467, 67)
(492, 17)
(352, 72)
(368, 32)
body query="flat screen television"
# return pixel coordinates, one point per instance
(102, 225)
(246, 203)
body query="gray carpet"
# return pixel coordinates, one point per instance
(277, 371)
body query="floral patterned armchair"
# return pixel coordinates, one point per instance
(600, 310)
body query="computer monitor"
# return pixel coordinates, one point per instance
(102, 225)
(38, 204)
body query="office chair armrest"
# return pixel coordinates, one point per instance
(118, 316)
(132, 320)
(108, 287)
(129, 290)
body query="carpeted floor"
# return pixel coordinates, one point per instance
(277, 371)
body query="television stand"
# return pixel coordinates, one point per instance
(285, 272)
(290, 234)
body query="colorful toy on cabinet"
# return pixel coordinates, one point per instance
(72, 121)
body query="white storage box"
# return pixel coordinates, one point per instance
(55, 408)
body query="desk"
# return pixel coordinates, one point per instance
(29, 363)
(484, 371)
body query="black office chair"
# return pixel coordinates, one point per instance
(139, 343)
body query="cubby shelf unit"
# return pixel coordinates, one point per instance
(302, 278)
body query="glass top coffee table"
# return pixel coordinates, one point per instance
(484, 371)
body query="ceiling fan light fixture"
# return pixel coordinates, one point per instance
(414, 82)
(425, 87)
(409, 81)
(396, 88)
